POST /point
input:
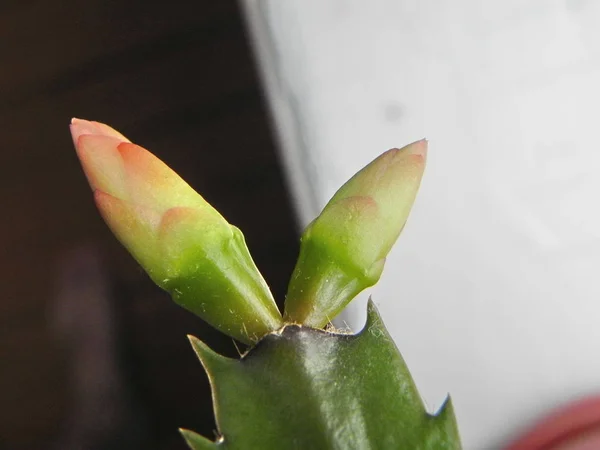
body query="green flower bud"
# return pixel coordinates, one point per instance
(183, 243)
(343, 250)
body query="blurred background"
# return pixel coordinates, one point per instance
(92, 354)
(266, 107)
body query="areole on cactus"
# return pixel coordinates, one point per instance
(298, 386)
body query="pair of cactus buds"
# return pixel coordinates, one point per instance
(191, 251)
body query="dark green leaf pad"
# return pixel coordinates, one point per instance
(303, 388)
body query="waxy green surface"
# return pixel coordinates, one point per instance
(218, 281)
(302, 388)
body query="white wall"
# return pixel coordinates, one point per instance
(492, 292)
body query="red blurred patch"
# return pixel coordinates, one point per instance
(575, 427)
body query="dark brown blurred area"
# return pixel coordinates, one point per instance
(178, 78)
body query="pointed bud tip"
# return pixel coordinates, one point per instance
(78, 128)
(416, 153)
(82, 127)
(417, 148)
(421, 145)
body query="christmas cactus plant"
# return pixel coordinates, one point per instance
(302, 384)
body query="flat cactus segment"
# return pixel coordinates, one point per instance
(303, 388)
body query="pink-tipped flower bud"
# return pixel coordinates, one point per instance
(343, 250)
(181, 241)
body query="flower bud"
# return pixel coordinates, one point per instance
(181, 241)
(343, 250)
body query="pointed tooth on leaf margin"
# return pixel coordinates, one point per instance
(196, 441)
(444, 425)
(445, 415)
(446, 408)
(373, 320)
(211, 360)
